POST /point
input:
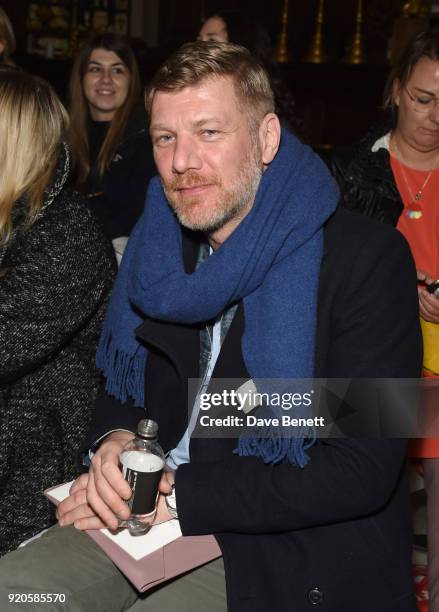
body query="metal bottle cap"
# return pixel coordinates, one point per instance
(147, 428)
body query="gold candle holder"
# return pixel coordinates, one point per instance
(415, 8)
(282, 53)
(355, 51)
(317, 53)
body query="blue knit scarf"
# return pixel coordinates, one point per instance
(271, 262)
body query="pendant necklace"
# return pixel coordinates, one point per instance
(418, 195)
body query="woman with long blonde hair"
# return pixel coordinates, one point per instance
(56, 271)
(7, 39)
(108, 133)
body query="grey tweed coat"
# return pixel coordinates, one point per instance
(54, 280)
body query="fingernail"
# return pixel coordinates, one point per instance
(61, 522)
(76, 524)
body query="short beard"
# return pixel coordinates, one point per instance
(232, 203)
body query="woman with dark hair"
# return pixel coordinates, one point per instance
(108, 133)
(392, 175)
(56, 271)
(239, 28)
(7, 39)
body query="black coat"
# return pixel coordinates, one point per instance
(123, 185)
(56, 277)
(336, 534)
(366, 179)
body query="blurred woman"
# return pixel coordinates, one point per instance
(108, 133)
(240, 28)
(56, 270)
(393, 175)
(7, 39)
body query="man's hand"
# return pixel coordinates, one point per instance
(166, 482)
(97, 499)
(107, 489)
(75, 507)
(165, 487)
(428, 303)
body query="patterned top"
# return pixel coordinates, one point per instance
(56, 278)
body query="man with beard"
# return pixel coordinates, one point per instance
(225, 276)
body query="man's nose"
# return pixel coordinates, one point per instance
(186, 155)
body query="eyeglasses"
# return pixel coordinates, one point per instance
(423, 103)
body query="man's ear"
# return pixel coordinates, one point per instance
(396, 89)
(269, 137)
(2, 47)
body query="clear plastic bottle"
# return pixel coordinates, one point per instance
(142, 460)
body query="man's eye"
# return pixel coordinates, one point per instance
(210, 133)
(164, 139)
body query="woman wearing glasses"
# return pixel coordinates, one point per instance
(393, 176)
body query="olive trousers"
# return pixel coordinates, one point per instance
(66, 564)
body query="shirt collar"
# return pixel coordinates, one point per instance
(382, 143)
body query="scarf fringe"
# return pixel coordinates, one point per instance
(125, 374)
(273, 448)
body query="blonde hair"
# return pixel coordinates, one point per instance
(7, 37)
(197, 61)
(32, 125)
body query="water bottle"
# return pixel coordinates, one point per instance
(142, 460)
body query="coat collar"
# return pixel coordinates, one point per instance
(20, 209)
(181, 343)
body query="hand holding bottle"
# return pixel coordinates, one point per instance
(98, 498)
(106, 497)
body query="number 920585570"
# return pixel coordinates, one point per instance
(37, 598)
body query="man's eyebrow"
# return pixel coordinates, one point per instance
(159, 126)
(197, 124)
(204, 120)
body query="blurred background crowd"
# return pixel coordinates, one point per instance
(334, 55)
